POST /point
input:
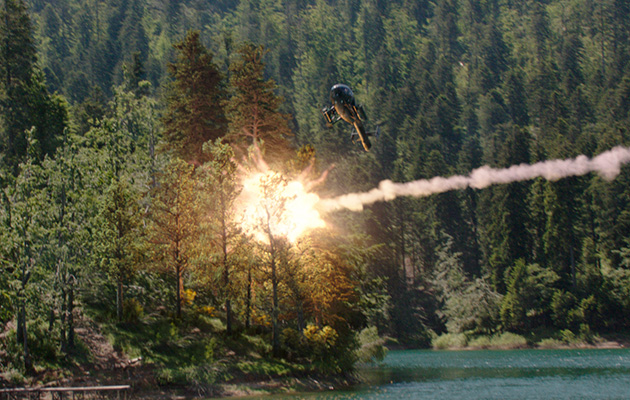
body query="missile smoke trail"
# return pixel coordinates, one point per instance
(607, 165)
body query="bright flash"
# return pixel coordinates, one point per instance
(270, 204)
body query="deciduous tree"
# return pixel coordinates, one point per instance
(175, 212)
(221, 181)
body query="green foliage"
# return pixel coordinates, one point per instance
(176, 208)
(253, 109)
(529, 294)
(43, 348)
(24, 100)
(371, 346)
(133, 311)
(375, 302)
(508, 340)
(504, 340)
(219, 175)
(469, 306)
(450, 341)
(322, 345)
(453, 85)
(195, 98)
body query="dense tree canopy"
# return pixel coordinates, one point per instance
(92, 214)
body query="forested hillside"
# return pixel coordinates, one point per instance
(119, 121)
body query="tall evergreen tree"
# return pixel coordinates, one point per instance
(120, 237)
(195, 98)
(24, 100)
(253, 109)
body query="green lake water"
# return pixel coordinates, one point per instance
(490, 374)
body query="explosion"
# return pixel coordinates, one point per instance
(272, 204)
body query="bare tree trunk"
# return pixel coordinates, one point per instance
(300, 316)
(180, 284)
(226, 278)
(275, 312)
(71, 318)
(22, 333)
(63, 318)
(248, 300)
(119, 300)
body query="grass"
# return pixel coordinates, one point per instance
(192, 354)
(197, 352)
(505, 340)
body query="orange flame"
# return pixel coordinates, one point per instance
(272, 204)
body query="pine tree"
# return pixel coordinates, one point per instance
(120, 237)
(220, 174)
(23, 247)
(24, 101)
(194, 112)
(175, 212)
(254, 108)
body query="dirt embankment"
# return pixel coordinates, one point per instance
(106, 366)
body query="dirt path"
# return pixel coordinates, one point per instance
(103, 354)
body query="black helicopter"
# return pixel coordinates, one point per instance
(344, 107)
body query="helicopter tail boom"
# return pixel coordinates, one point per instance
(360, 130)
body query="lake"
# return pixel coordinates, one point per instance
(491, 374)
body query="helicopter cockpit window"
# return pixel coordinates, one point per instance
(342, 93)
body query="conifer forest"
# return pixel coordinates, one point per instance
(163, 166)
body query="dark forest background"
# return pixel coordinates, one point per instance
(89, 99)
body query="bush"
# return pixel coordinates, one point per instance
(42, 344)
(481, 342)
(323, 346)
(586, 334)
(15, 377)
(506, 340)
(562, 304)
(450, 341)
(550, 343)
(567, 336)
(292, 340)
(132, 310)
(371, 346)
(509, 340)
(321, 341)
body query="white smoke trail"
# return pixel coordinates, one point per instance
(607, 165)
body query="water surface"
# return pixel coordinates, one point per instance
(491, 374)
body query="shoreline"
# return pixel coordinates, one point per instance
(294, 385)
(144, 385)
(512, 341)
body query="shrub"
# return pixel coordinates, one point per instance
(567, 336)
(550, 343)
(586, 334)
(481, 342)
(292, 340)
(450, 341)
(15, 377)
(371, 346)
(132, 310)
(328, 351)
(321, 341)
(509, 340)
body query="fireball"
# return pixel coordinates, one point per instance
(271, 205)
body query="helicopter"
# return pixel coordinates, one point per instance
(344, 107)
